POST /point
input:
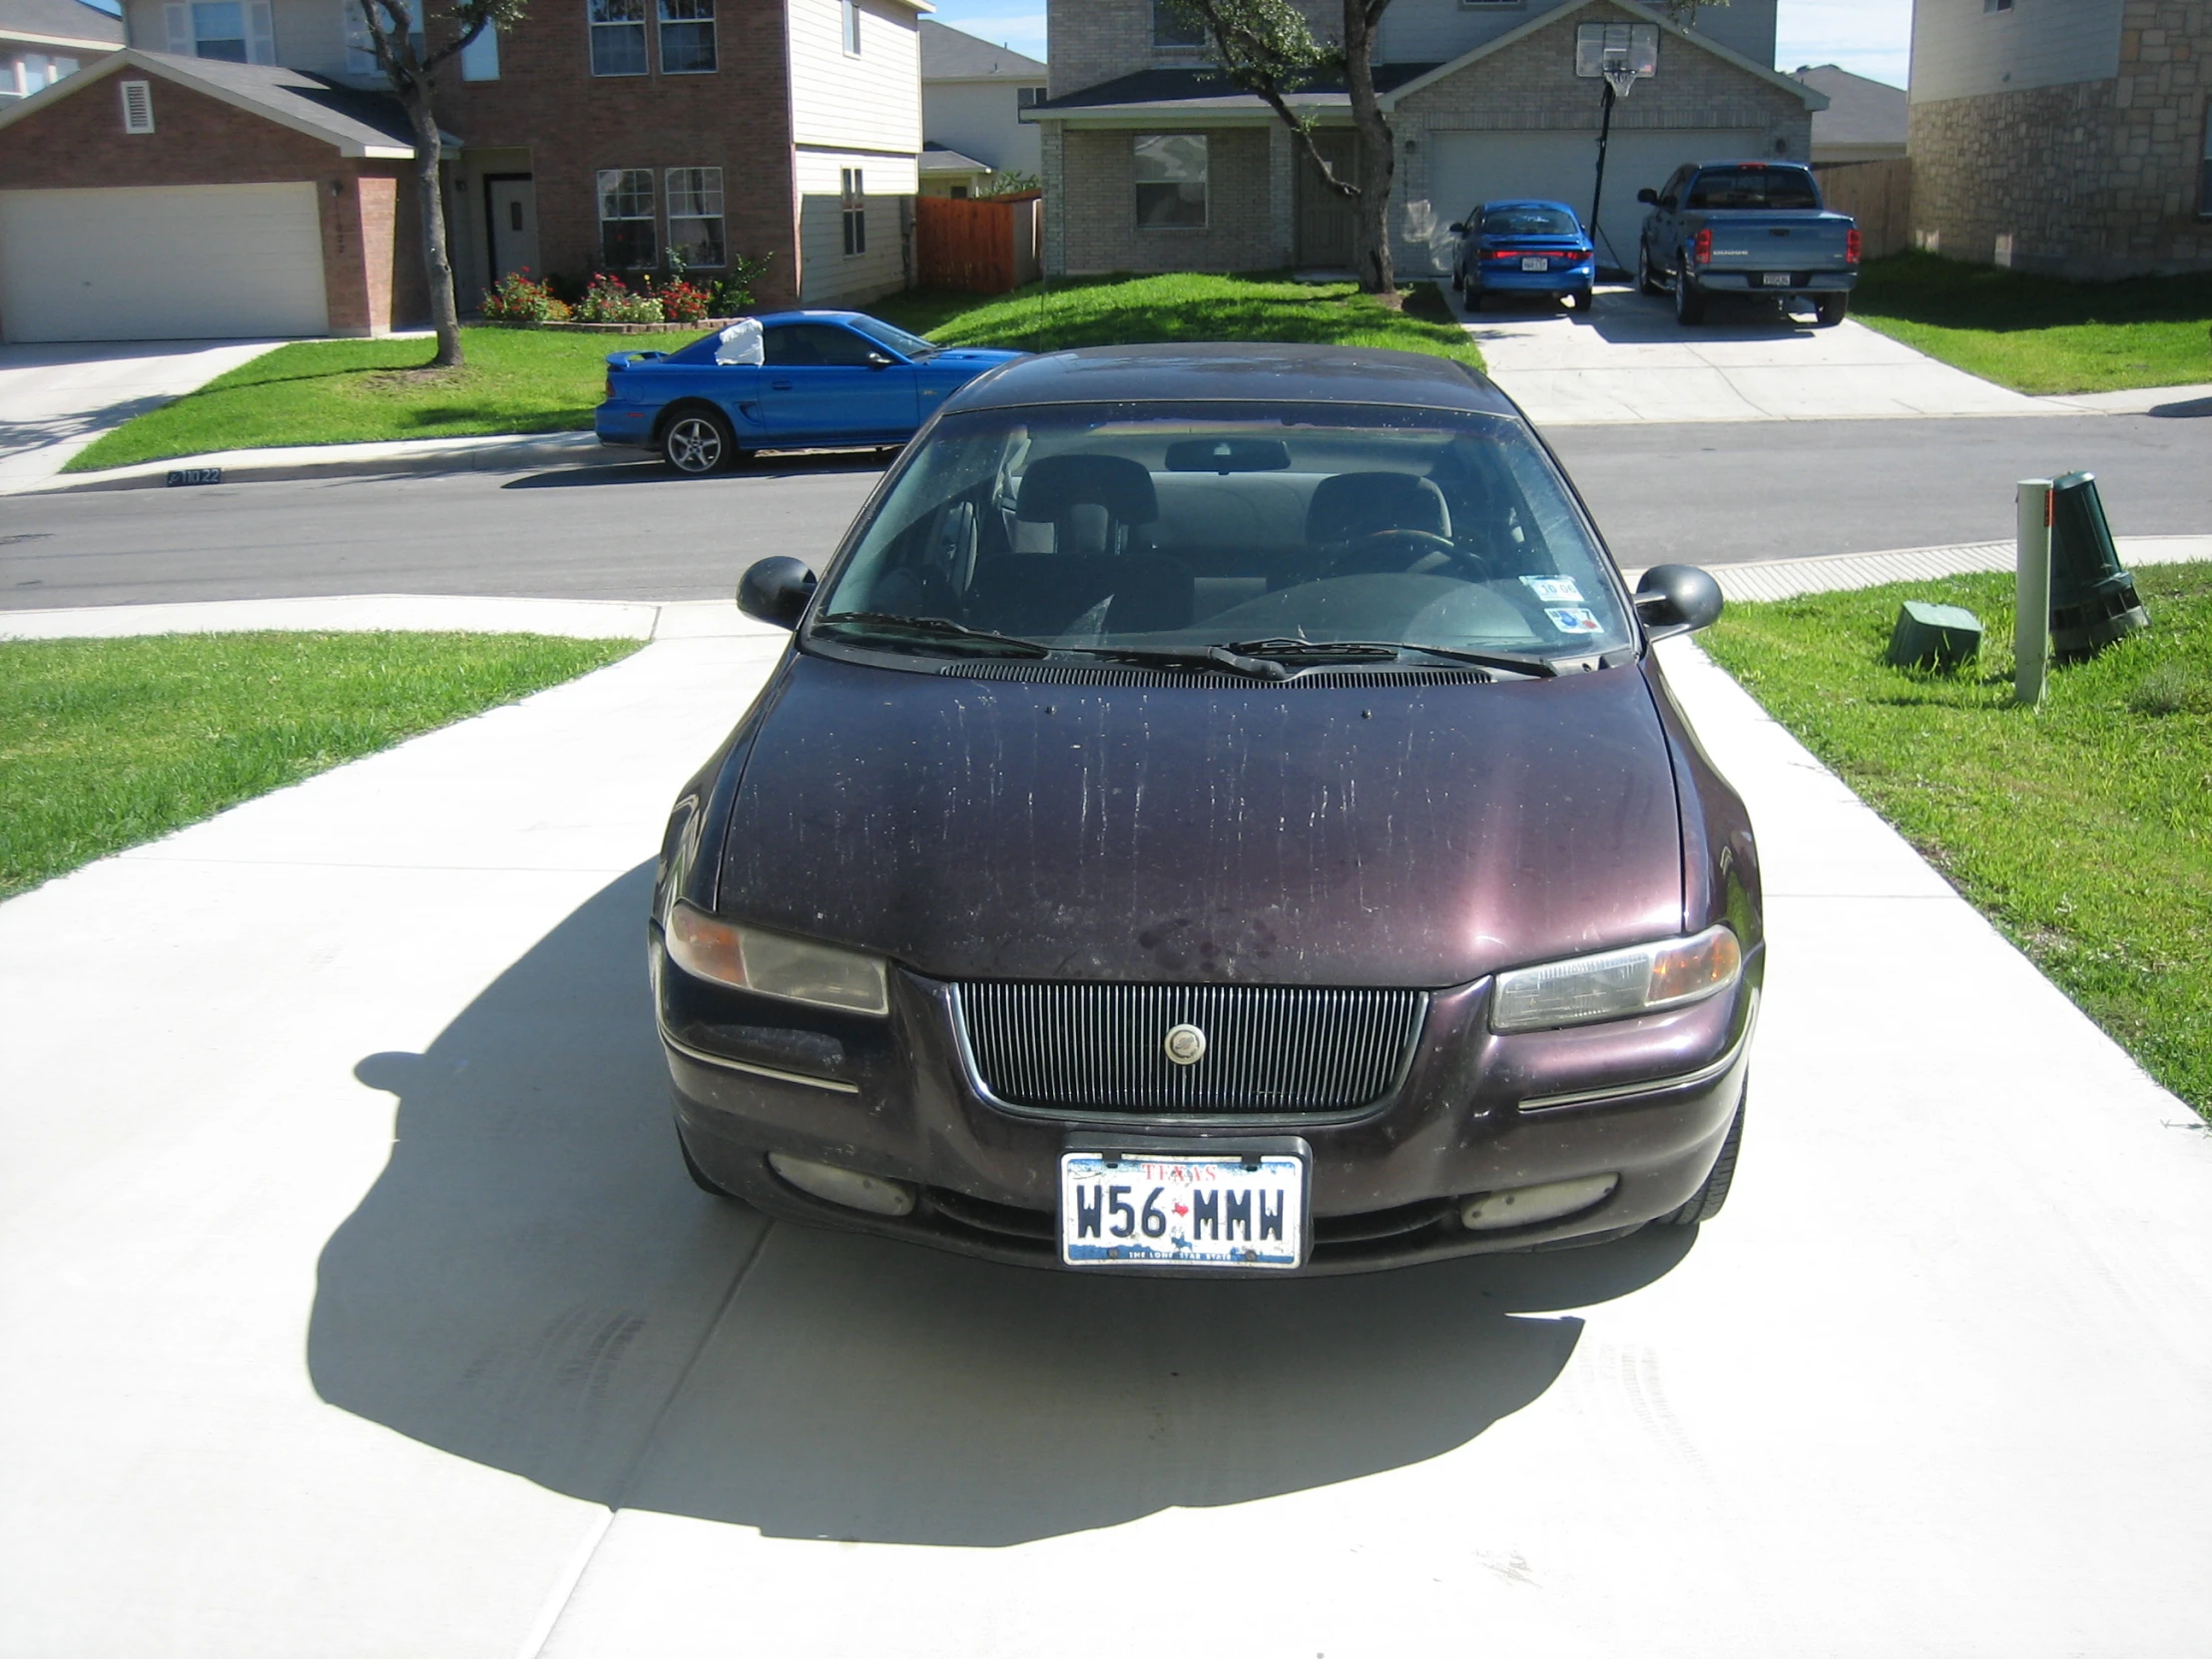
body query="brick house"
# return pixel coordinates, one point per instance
(596, 135)
(2072, 137)
(1153, 163)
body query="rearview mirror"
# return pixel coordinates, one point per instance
(775, 591)
(1676, 599)
(1648, 197)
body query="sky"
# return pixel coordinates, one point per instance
(1867, 37)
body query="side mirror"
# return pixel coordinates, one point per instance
(877, 359)
(1648, 197)
(775, 591)
(1675, 598)
(1457, 227)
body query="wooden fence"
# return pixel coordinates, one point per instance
(991, 246)
(1876, 194)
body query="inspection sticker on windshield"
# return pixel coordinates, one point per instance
(1553, 590)
(1574, 619)
(1197, 1210)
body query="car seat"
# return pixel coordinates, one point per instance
(1352, 506)
(1096, 504)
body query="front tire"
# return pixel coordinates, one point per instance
(1689, 299)
(696, 443)
(1647, 280)
(1830, 309)
(1706, 1202)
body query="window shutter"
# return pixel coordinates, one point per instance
(138, 107)
(179, 21)
(260, 33)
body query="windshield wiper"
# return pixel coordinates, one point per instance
(925, 629)
(1207, 657)
(1380, 650)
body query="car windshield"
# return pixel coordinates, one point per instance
(1779, 187)
(905, 345)
(1529, 222)
(1272, 531)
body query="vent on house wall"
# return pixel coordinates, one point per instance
(138, 106)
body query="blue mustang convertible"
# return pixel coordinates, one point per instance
(788, 380)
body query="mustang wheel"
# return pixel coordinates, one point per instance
(696, 443)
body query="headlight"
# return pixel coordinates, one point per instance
(774, 964)
(1617, 984)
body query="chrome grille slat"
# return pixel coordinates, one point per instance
(1271, 1049)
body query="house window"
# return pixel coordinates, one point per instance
(687, 37)
(480, 57)
(1176, 25)
(695, 214)
(626, 240)
(848, 22)
(617, 37)
(138, 106)
(852, 209)
(958, 192)
(1171, 181)
(234, 31)
(1029, 98)
(360, 46)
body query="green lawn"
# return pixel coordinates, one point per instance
(1124, 311)
(368, 390)
(2039, 334)
(105, 744)
(2083, 828)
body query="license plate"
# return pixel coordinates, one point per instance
(1219, 1208)
(1776, 278)
(1535, 264)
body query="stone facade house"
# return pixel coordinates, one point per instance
(1153, 163)
(261, 163)
(2072, 137)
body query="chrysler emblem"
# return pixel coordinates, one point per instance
(1185, 1045)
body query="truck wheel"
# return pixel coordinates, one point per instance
(1689, 300)
(1829, 308)
(1647, 280)
(1706, 1202)
(696, 443)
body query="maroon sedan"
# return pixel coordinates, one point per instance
(1220, 812)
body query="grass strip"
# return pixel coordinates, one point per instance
(2041, 334)
(2083, 829)
(1132, 311)
(105, 744)
(377, 390)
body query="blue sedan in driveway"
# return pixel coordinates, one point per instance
(788, 380)
(1526, 248)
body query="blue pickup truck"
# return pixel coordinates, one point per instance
(788, 380)
(1744, 229)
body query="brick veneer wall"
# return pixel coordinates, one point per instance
(2099, 178)
(573, 122)
(1096, 224)
(78, 143)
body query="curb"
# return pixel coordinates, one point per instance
(499, 454)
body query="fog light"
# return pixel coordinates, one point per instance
(847, 1187)
(1525, 1206)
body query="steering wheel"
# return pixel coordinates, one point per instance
(1372, 552)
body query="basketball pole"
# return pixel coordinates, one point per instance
(1597, 195)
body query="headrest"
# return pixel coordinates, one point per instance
(1117, 484)
(1353, 504)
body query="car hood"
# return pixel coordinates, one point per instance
(970, 356)
(1384, 835)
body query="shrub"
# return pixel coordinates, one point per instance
(609, 299)
(515, 298)
(734, 293)
(682, 302)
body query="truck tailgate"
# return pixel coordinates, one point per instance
(1780, 241)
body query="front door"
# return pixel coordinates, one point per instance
(1324, 216)
(828, 385)
(512, 203)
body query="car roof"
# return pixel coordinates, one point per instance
(1244, 373)
(1533, 202)
(766, 318)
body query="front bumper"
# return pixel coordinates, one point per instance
(1650, 1100)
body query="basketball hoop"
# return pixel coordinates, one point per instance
(1620, 74)
(1620, 54)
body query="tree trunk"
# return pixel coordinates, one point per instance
(437, 266)
(1371, 236)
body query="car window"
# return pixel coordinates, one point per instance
(1777, 187)
(900, 342)
(1177, 527)
(1529, 222)
(813, 345)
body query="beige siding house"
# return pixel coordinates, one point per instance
(2063, 135)
(856, 95)
(973, 96)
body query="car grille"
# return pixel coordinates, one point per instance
(1270, 1050)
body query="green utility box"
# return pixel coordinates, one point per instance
(2093, 599)
(1933, 636)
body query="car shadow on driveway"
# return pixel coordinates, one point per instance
(649, 470)
(533, 1284)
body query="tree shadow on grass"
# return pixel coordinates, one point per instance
(533, 1284)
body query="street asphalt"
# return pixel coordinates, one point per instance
(1701, 492)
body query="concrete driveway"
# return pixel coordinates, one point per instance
(360, 1305)
(55, 399)
(1629, 360)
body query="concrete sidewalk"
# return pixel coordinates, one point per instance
(364, 1308)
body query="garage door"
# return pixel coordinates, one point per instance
(183, 262)
(1484, 166)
